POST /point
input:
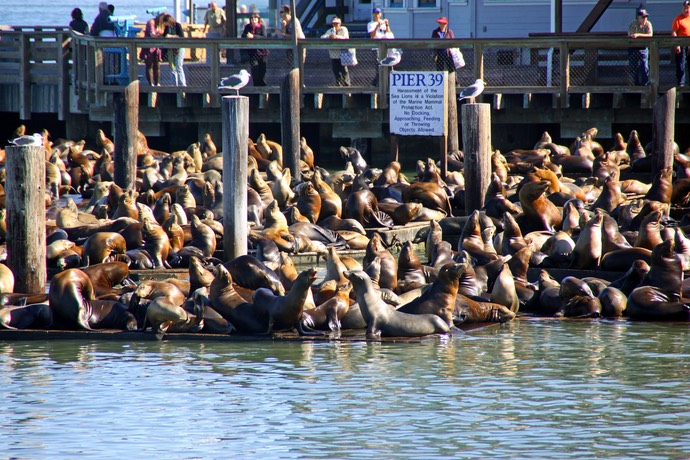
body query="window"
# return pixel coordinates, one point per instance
(426, 4)
(396, 3)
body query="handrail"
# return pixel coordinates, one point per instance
(29, 53)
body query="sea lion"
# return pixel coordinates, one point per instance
(101, 245)
(335, 223)
(389, 265)
(151, 289)
(276, 228)
(158, 243)
(32, 316)
(410, 274)
(327, 315)
(70, 295)
(577, 299)
(233, 307)
(199, 276)
(613, 302)
(538, 212)
(105, 276)
(382, 320)
(588, 248)
(439, 299)
(504, 292)
(649, 235)
(431, 195)
(654, 304)
(285, 312)
(331, 203)
(164, 315)
(251, 273)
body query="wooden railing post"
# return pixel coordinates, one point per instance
(62, 61)
(24, 78)
(235, 111)
(453, 141)
(564, 51)
(653, 73)
(26, 225)
(479, 62)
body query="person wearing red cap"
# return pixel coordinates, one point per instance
(681, 28)
(443, 59)
(639, 57)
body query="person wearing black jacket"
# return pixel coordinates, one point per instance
(257, 57)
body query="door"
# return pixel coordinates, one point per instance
(361, 10)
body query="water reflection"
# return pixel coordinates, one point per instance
(524, 389)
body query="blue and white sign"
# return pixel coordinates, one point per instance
(418, 103)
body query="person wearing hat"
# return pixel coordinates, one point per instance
(338, 32)
(681, 28)
(378, 28)
(443, 59)
(639, 57)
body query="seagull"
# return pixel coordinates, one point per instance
(392, 60)
(235, 82)
(35, 140)
(472, 91)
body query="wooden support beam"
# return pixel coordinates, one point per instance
(290, 96)
(594, 15)
(476, 141)
(126, 137)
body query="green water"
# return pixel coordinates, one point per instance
(528, 389)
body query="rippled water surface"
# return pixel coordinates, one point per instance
(530, 389)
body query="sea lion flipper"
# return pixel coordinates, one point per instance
(307, 331)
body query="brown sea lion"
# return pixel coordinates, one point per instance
(383, 321)
(613, 302)
(588, 248)
(70, 295)
(251, 273)
(577, 299)
(175, 233)
(158, 243)
(538, 212)
(99, 246)
(285, 312)
(439, 299)
(233, 307)
(331, 203)
(105, 276)
(164, 315)
(199, 276)
(276, 228)
(504, 292)
(662, 187)
(327, 315)
(203, 237)
(468, 311)
(649, 235)
(151, 289)
(32, 316)
(410, 273)
(431, 195)
(389, 265)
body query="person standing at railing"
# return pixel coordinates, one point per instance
(338, 32)
(287, 29)
(214, 24)
(155, 27)
(681, 28)
(101, 27)
(78, 24)
(443, 59)
(174, 29)
(256, 30)
(638, 58)
(378, 29)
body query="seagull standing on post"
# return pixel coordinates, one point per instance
(235, 82)
(36, 140)
(472, 91)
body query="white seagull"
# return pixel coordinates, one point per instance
(235, 82)
(472, 91)
(35, 139)
(392, 60)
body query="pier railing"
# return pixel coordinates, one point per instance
(94, 67)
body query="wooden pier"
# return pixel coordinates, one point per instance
(573, 81)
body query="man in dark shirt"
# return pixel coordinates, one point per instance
(101, 27)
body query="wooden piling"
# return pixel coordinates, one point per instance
(290, 121)
(453, 141)
(26, 225)
(126, 136)
(476, 141)
(664, 116)
(235, 151)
